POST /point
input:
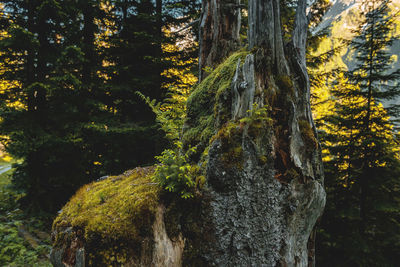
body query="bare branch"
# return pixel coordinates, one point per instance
(187, 26)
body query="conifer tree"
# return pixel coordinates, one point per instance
(361, 222)
(30, 51)
(70, 113)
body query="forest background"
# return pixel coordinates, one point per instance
(77, 80)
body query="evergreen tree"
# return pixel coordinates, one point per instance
(70, 112)
(361, 223)
(30, 51)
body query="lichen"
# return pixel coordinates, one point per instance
(210, 100)
(263, 160)
(112, 213)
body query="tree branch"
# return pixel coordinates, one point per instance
(187, 26)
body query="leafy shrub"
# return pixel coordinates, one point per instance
(174, 172)
(13, 251)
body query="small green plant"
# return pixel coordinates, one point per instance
(174, 172)
(208, 70)
(258, 120)
(257, 115)
(13, 250)
(170, 114)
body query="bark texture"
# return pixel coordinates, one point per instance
(219, 32)
(265, 31)
(264, 207)
(243, 87)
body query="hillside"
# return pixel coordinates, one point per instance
(342, 18)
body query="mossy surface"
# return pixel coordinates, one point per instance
(202, 104)
(308, 136)
(230, 136)
(285, 84)
(112, 213)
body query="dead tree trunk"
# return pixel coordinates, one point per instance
(265, 206)
(219, 32)
(265, 31)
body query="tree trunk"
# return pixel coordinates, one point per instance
(219, 32)
(30, 59)
(264, 208)
(89, 29)
(265, 31)
(159, 53)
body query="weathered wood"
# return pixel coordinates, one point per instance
(219, 32)
(264, 212)
(300, 30)
(243, 87)
(265, 31)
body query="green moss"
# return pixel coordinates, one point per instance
(307, 135)
(200, 133)
(233, 157)
(208, 98)
(112, 213)
(227, 133)
(258, 121)
(292, 174)
(285, 84)
(230, 136)
(263, 159)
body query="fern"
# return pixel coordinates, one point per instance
(174, 172)
(169, 115)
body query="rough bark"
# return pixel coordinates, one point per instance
(265, 31)
(264, 211)
(219, 32)
(243, 87)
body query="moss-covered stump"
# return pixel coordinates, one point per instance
(209, 105)
(262, 194)
(117, 221)
(264, 176)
